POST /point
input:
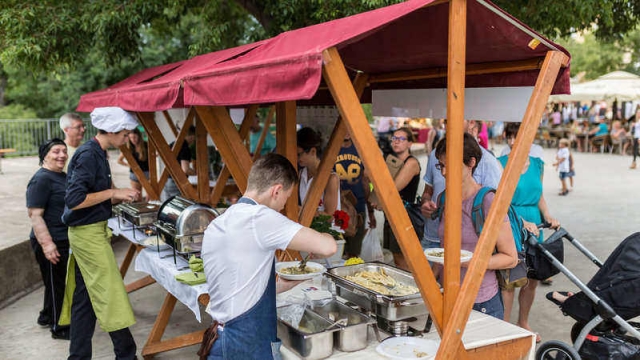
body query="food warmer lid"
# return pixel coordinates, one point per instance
(139, 208)
(186, 216)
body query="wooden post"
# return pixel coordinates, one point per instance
(351, 111)
(224, 134)
(286, 146)
(202, 162)
(517, 158)
(170, 122)
(133, 164)
(170, 160)
(331, 152)
(455, 135)
(152, 155)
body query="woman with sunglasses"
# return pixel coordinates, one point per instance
(49, 239)
(406, 181)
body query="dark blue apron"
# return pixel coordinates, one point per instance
(252, 335)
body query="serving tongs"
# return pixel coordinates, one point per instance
(303, 262)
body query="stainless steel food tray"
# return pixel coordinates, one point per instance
(317, 344)
(353, 335)
(387, 306)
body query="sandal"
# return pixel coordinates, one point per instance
(538, 338)
(548, 281)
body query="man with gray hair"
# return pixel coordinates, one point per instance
(73, 128)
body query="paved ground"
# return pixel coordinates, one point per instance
(599, 212)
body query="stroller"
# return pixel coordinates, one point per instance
(602, 306)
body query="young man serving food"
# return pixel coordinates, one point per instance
(239, 262)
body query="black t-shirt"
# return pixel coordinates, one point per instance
(184, 154)
(46, 191)
(144, 164)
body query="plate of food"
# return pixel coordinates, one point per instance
(405, 347)
(437, 255)
(290, 270)
(152, 242)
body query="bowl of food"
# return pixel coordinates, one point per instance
(290, 270)
(437, 255)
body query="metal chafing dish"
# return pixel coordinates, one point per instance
(393, 313)
(312, 339)
(139, 214)
(181, 224)
(352, 336)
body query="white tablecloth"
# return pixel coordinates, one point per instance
(125, 229)
(163, 270)
(481, 330)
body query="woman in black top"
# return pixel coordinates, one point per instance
(138, 148)
(406, 182)
(49, 239)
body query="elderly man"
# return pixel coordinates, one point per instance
(95, 290)
(73, 128)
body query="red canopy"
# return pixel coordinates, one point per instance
(403, 37)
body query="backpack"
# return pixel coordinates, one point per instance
(478, 216)
(507, 278)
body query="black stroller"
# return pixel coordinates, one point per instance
(602, 306)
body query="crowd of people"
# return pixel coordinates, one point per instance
(69, 209)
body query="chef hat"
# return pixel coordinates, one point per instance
(112, 119)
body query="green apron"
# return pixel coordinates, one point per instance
(91, 250)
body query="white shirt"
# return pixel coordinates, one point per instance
(305, 185)
(535, 151)
(564, 165)
(238, 251)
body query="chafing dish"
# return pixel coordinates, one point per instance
(353, 335)
(181, 224)
(312, 339)
(386, 306)
(139, 214)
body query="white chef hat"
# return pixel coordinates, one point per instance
(112, 119)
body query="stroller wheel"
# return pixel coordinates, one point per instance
(556, 350)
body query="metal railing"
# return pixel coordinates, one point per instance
(26, 135)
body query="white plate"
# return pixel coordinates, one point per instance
(465, 255)
(310, 264)
(150, 243)
(405, 347)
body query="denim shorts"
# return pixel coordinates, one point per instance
(493, 307)
(564, 175)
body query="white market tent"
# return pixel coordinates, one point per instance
(617, 85)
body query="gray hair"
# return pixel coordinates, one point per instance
(67, 119)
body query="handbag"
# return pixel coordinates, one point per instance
(539, 267)
(515, 277)
(208, 338)
(417, 220)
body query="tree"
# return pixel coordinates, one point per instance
(73, 47)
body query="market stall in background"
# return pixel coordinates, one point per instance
(460, 49)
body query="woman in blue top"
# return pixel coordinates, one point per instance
(530, 204)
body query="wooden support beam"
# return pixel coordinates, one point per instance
(171, 163)
(142, 179)
(486, 243)
(170, 122)
(224, 134)
(343, 93)
(471, 69)
(177, 145)
(325, 168)
(153, 170)
(286, 146)
(455, 135)
(221, 182)
(263, 134)
(202, 162)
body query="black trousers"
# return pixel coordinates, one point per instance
(635, 148)
(83, 324)
(53, 277)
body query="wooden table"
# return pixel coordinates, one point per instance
(161, 267)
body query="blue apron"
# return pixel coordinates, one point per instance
(252, 335)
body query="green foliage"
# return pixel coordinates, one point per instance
(593, 57)
(16, 111)
(322, 224)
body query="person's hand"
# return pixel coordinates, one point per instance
(283, 285)
(553, 223)
(531, 227)
(50, 251)
(126, 195)
(428, 207)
